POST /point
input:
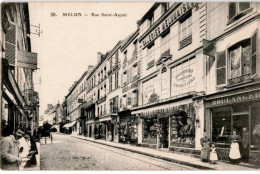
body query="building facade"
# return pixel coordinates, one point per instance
(19, 102)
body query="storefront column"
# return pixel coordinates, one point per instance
(140, 131)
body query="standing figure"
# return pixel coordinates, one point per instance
(245, 145)
(234, 153)
(213, 154)
(32, 149)
(204, 141)
(10, 159)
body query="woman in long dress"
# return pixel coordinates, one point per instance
(234, 153)
(204, 141)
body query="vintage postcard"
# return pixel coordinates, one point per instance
(139, 86)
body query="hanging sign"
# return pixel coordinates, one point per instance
(27, 60)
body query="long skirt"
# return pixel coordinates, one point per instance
(234, 152)
(205, 154)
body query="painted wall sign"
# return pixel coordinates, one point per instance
(184, 78)
(171, 19)
(245, 97)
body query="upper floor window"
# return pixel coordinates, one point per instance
(165, 7)
(125, 56)
(135, 46)
(241, 62)
(186, 31)
(116, 57)
(237, 9)
(116, 79)
(150, 56)
(150, 20)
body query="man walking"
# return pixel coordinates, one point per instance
(10, 151)
(245, 145)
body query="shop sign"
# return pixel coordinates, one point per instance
(27, 60)
(248, 96)
(209, 48)
(171, 19)
(184, 78)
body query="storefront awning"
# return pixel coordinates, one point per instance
(69, 124)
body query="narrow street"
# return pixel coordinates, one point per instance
(68, 153)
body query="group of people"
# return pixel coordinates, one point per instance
(239, 148)
(18, 149)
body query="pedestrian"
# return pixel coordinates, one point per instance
(204, 141)
(234, 153)
(213, 154)
(10, 159)
(36, 133)
(245, 145)
(32, 149)
(23, 150)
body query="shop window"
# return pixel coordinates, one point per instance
(150, 131)
(185, 31)
(255, 127)
(221, 125)
(237, 9)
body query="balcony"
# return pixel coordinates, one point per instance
(238, 80)
(185, 42)
(109, 72)
(101, 100)
(115, 67)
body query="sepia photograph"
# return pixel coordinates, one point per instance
(130, 86)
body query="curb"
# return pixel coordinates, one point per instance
(151, 155)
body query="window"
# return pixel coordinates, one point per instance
(165, 42)
(111, 63)
(135, 46)
(186, 31)
(135, 97)
(129, 98)
(116, 57)
(125, 56)
(116, 79)
(237, 9)
(150, 56)
(241, 62)
(114, 105)
(110, 83)
(150, 20)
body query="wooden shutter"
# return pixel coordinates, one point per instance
(231, 10)
(221, 68)
(10, 40)
(254, 47)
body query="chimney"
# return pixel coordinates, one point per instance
(99, 57)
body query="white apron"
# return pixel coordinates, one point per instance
(234, 152)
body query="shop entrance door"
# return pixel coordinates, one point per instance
(164, 139)
(90, 131)
(240, 121)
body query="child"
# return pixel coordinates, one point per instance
(213, 154)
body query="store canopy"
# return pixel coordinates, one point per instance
(69, 124)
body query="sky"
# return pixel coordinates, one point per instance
(68, 44)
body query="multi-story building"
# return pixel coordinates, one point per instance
(170, 39)
(232, 100)
(129, 88)
(19, 102)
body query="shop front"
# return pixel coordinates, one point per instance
(235, 110)
(169, 126)
(127, 127)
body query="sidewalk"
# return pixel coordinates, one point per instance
(168, 156)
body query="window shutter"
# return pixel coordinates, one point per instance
(254, 46)
(231, 10)
(10, 44)
(221, 68)
(243, 6)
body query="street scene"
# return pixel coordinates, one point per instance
(130, 86)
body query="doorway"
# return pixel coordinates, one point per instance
(164, 137)
(90, 131)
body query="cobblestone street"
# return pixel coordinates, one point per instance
(68, 153)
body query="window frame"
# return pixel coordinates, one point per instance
(238, 14)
